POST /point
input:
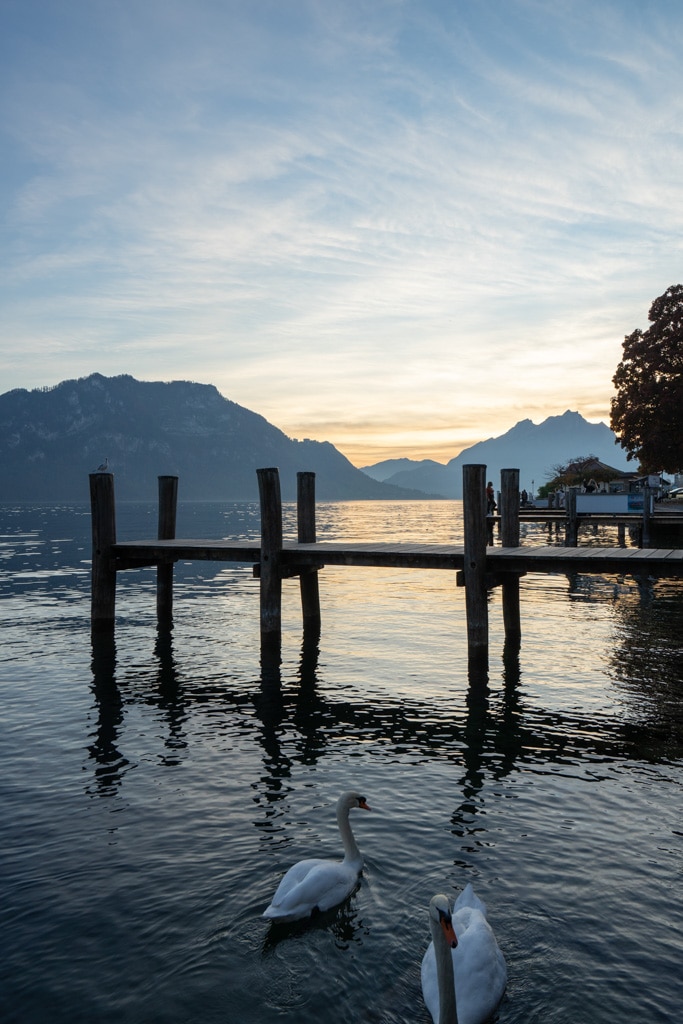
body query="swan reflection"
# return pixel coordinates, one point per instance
(343, 922)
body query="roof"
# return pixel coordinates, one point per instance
(592, 466)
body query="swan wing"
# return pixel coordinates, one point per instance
(311, 885)
(478, 966)
(469, 898)
(289, 883)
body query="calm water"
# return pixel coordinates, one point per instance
(155, 787)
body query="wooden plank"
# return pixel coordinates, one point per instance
(590, 560)
(188, 549)
(544, 558)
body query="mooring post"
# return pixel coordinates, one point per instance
(308, 580)
(509, 512)
(271, 553)
(647, 502)
(103, 516)
(474, 572)
(571, 528)
(168, 504)
(509, 508)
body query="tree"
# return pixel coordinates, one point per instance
(647, 413)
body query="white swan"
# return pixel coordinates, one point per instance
(316, 884)
(463, 971)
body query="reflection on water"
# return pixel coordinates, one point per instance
(110, 763)
(553, 783)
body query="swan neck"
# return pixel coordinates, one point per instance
(351, 851)
(448, 1013)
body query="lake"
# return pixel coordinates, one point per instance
(156, 785)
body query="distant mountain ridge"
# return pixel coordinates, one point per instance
(532, 448)
(395, 467)
(52, 438)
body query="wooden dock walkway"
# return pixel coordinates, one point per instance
(478, 566)
(550, 558)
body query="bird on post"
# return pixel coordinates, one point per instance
(104, 466)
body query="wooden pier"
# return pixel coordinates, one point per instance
(478, 565)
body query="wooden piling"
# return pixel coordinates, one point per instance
(474, 569)
(647, 503)
(271, 553)
(509, 523)
(168, 504)
(509, 508)
(571, 527)
(103, 518)
(306, 534)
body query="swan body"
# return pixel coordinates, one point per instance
(319, 884)
(463, 974)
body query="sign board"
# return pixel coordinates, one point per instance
(614, 503)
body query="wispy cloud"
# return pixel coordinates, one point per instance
(363, 220)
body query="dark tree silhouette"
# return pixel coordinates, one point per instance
(647, 413)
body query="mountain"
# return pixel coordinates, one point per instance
(52, 438)
(391, 467)
(533, 449)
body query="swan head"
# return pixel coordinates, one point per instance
(352, 799)
(440, 913)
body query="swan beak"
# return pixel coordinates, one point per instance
(448, 930)
(362, 802)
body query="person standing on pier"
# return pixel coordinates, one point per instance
(490, 509)
(490, 499)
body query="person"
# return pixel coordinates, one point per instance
(525, 497)
(490, 499)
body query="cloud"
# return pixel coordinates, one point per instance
(362, 211)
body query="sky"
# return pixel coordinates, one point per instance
(400, 226)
